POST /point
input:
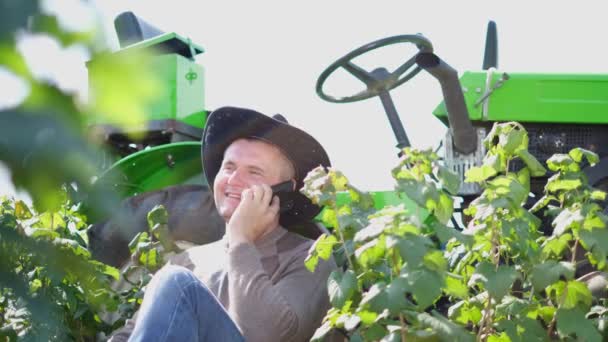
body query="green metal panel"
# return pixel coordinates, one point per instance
(183, 93)
(155, 168)
(530, 97)
(382, 199)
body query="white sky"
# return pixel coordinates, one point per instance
(267, 55)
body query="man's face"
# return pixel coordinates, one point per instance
(247, 162)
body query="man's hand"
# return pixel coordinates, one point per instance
(256, 215)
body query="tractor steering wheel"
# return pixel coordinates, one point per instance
(378, 80)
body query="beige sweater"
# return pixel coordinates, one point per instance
(265, 287)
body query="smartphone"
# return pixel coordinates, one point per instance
(284, 191)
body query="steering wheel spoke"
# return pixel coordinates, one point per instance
(403, 68)
(359, 73)
(374, 84)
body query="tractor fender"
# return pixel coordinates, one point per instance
(192, 217)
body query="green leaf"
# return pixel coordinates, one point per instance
(447, 330)
(573, 322)
(341, 287)
(375, 298)
(555, 184)
(449, 179)
(555, 246)
(465, 312)
(598, 195)
(456, 287)
(158, 215)
(536, 168)
(22, 211)
(566, 220)
(321, 248)
(596, 241)
(570, 294)
(412, 248)
(523, 329)
(562, 162)
(396, 300)
(508, 187)
(496, 280)
(578, 153)
(479, 174)
(549, 272)
(371, 252)
(424, 285)
(444, 208)
(321, 332)
(513, 140)
(435, 261)
(111, 271)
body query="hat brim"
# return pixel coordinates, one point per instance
(227, 124)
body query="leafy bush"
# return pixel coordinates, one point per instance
(51, 289)
(405, 275)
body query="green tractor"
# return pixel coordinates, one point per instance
(560, 112)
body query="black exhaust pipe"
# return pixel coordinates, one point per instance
(465, 136)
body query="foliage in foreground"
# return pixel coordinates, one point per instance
(51, 289)
(406, 276)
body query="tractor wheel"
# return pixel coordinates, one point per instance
(192, 218)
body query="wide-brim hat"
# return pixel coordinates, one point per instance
(227, 124)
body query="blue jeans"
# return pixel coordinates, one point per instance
(177, 306)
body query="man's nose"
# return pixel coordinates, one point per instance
(236, 177)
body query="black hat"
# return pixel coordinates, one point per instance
(227, 124)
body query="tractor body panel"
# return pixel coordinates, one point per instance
(530, 97)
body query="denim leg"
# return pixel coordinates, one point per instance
(179, 307)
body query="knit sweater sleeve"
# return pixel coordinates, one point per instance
(289, 310)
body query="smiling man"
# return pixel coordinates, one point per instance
(252, 285)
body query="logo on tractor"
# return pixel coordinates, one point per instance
(191, 76)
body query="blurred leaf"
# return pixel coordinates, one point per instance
(465, 312)
(479, 174)
(513, 140)
(570, 294)
(456, 287)
(549, 272)
(448, 331)
(449, 180)
(555, 246)
(596, 241)
(341, 287)
(22, 212)
(573, 321)
(321, 248)
(424, 285)
(562, 162)
(497, 280)
(578, 153)
(120, 97)
(536, 168)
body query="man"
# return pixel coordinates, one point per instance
(252, 285)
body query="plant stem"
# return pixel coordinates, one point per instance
(342, 240)
(573, 258)
(403, 328)
(485, 319)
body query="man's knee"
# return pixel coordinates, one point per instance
(173, 276)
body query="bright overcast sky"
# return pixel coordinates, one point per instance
(267, 55)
